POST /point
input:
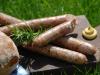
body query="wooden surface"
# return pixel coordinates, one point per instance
(83, 23)
(39, 63)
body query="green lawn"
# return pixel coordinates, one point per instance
(29, 9)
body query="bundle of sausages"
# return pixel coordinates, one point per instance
(66, 48)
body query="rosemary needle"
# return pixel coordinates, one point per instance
(23, 36)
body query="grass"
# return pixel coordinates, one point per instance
(30, 9)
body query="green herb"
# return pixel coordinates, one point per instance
(23, 36)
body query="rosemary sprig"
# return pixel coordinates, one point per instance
(23, 36)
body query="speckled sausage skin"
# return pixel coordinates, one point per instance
(6, 19)
(61, 53)
(54, 33)
(9, 55)
(35, 23)
(76, 45)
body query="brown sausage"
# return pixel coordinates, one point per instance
(76, 45)
(54, 33)
(35, 23)
(61, 53)
(6, 19)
